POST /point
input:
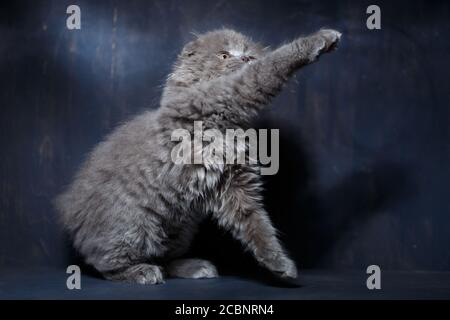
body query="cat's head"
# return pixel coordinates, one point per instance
(212, 55)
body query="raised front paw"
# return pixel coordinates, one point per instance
(140, 273)
(323, 41)
(330, 39)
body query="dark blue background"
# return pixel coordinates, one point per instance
(365, 138)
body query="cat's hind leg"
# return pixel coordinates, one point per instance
(191, 268)
(142, 273)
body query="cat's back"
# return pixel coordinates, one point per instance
(110, 166)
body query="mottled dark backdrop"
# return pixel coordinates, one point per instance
(365, 136)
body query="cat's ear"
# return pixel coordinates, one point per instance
(188, 53)
(189, 49)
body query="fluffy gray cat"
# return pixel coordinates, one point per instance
(132, 212)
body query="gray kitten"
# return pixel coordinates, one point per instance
(131, 211)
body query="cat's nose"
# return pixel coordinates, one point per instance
(245, 58)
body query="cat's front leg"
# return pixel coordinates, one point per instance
(310, 48)
(241, 212)
(239, 96)
(257, 233)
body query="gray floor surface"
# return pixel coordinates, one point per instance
(46, 283)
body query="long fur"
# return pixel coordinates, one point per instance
(131, 211)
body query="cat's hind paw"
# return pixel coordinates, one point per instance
(192, 269)
(140, 273)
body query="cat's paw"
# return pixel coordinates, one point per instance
(192, 269)
(330, 39)
(206, 270)
(149, 274)
(141, 273)
(323, 41)
(281, 266)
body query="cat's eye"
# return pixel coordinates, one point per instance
(224, 55)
